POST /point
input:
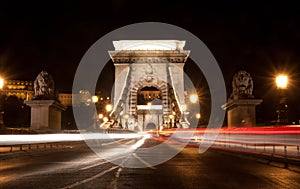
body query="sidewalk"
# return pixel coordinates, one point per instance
(7, 152)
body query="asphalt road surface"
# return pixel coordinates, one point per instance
(80, 167)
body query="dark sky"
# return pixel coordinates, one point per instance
(262, 38)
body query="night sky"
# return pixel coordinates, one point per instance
(262, 38)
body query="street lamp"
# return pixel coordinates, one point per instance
(108, 107)
(282, 111)
(1, 83)
(281, 81)
(193, 98)
(95, 99)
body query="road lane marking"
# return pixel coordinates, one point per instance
(90, 178)
(122, 142)
(104, 162)
(114, 142)
(143, 161)
(113, 184)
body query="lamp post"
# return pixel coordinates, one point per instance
(282, 110)
(1, 102)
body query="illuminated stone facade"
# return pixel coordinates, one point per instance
(65, 99)
(21, 89)
(143, 64)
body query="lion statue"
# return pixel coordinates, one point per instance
(242, 85)
(44, 86)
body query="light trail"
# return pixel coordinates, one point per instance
(45, 138)
(253, 138)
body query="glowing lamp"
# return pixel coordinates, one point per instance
(193, 98)
(94, 99)
(105, 119)
(108, 107)
(281, 81)
(1, 83)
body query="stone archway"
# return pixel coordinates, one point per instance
(150, 126)
(162, 86)
(146, 114)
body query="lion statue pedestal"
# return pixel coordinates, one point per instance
(241, 112)
(241, 105)
(45, 109)
(45, 115)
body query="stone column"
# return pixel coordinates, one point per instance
(45, 114)
(241, 112)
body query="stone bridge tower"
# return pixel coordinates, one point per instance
(149, 83)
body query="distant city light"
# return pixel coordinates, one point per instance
(100, 116)
(198, 115)
(281, 81)
(149, 103)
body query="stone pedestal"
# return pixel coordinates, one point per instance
(45, 114)
(241, 112)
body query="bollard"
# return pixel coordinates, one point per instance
(273, 149)
(11, 147)
(29, 146)
(298, 150)
(21, 147)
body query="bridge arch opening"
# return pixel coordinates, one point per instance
(150, 126)
(149, 95)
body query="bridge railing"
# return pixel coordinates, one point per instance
(273, 149)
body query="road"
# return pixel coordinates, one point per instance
(80, 167)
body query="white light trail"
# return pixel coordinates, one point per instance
(44, 138)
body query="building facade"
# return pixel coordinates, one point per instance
(21, 89)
